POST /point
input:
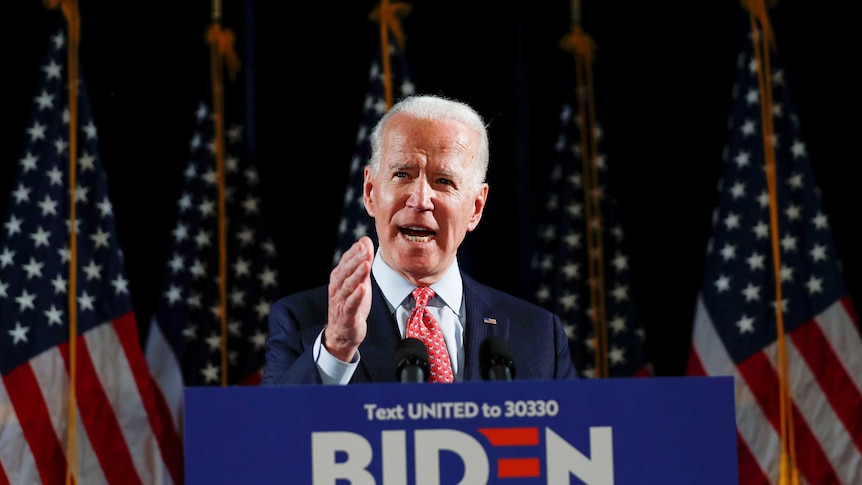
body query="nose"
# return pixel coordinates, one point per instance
(420, 195)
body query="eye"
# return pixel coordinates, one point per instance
(445, 181)
(400, 175)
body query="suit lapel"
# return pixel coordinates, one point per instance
(481, 322)
(378, 348)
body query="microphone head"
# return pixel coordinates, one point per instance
(494, 353)
(412, 352)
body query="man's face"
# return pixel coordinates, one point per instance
(422, 197)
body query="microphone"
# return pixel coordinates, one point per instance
(411, 361)
(495, 359)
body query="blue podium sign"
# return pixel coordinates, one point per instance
(660, 430)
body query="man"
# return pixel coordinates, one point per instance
(425, 188)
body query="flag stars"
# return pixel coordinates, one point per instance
(173, 295)
(797, 149)
(25, 301)
(121, 285)
(33, 269)
(234, 328)
(99, 238)
(60, 146)
(783, 305)
(745, 324)
(820, 221)
(262, 309)
(210, 373)
(198, 269)
(245, 236)
(241, 267)
(85, 301)
(251, 205)
(55, 176)
(569, 301)
(59, 284)
(36, 132)
(795, 181)
(756, 261)
(6, 257)
(751, 292)
(722, 284)
(181, 232)
(90, 130)
(620, 293)
(258, 339)
(237, 298)
(214, 342)
(206, 208)
(814, 285)
(818, 253)
(184, 203)
(21, 194)
(54, 315)
(40, 237)
(731, 221)
(194, 300)
(105, 207)
(761, 230)
(786, 273)
(620, 263)
(87, 162)
(13, 225)
(728, 252)
(742, 159)
(202, 239)
(52, 70)
(190, 332)
(788, 243)
(617, 355)
(48, 206)
(543, 294)
(793, 212)
(93, 271)
(19, 334)
(617, 325)
(81, 193)
(44, 100)
(571, 270)
(747, 128)
(268, 278)
(738, 190)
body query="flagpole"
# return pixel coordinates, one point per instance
(218, 139)
(583, 48)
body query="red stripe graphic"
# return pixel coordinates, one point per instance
(511, 436)
(518, 467)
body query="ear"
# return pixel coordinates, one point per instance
(367, 189)
(478, 207)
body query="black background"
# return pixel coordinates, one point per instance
(663, 77)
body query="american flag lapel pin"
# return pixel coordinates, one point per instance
(489, 321)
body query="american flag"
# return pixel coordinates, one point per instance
(560, 262)
(355, 222)
(184, 343)
(117, 432)
(735, 325)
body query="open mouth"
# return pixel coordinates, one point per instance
(417, 234)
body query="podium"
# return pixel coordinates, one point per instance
(619, 431)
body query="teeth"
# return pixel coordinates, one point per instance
(417, 238)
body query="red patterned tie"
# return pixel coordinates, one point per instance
(424, 326)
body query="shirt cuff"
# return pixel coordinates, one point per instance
(331, 369)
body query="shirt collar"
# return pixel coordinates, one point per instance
(396, 288)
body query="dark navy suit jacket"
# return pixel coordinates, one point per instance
(539, 345)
